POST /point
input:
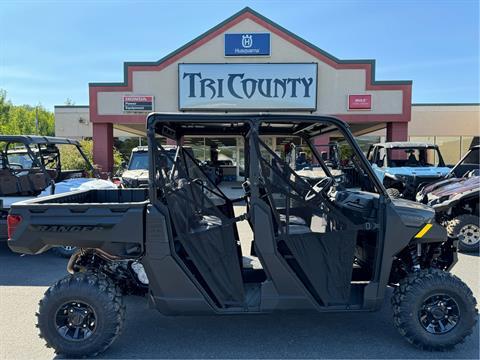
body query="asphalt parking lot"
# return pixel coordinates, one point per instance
(148, 334)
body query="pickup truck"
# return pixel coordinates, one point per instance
(329, 246)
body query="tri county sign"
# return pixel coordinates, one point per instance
(278, 86)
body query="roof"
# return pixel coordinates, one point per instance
(144, 148)
(405, 144)
(35, 139)
(176, 125)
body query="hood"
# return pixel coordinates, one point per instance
(140, 174)
(433, 186)
(456, 186)
(419, 171)
(413, 214)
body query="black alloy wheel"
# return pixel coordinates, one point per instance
(75, 320)
(439, 314)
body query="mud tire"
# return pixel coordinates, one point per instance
(101, 294)
(411, 294)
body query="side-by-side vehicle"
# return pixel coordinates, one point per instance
(335, 245)
(404, 166)
(33, 166)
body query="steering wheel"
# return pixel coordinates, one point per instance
(320, 188)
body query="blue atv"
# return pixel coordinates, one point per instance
(405, 166)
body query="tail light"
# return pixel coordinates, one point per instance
(12, 222)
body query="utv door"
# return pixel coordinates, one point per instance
(317, 234)
(205, 233)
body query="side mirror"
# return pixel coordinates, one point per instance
(124, 165)
(379, 163)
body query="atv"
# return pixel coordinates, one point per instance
(405, 166)
(456, 201)
(328, 246)
(31, 166)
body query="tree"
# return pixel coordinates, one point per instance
(20, 119)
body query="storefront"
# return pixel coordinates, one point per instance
(247, 64)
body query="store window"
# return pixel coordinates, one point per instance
(197, 144)
(449, 148)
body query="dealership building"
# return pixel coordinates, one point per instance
(250, 64)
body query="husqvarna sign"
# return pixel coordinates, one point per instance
(291, 86)
(247, 44)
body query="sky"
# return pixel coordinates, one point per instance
(51, 50)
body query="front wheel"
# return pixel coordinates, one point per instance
(81, 315)
(434, 310)
(467, 228)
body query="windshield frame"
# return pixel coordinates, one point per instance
(420, 148)
(138, 154)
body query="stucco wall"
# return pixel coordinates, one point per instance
(74, 122)
(334, 85)
(442, 120)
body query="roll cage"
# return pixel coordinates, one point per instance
(291, 219)
(45, 163)
(176, 126)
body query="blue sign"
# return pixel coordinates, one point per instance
(247, 44)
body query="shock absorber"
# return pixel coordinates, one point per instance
(415, 251)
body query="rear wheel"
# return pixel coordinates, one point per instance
(467, 229)
(434, 310)
(81, 315)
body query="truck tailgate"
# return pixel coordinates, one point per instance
(112, 220)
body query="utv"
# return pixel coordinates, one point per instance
(31, 166)
(135, 174)
(405, 166)
(324, 247)
(456, 200)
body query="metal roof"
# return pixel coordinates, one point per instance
(35, 139)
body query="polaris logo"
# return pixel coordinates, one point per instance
(70, 228)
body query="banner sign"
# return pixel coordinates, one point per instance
(138, 103)
(360, 102)
(248, 44)
(291, 86)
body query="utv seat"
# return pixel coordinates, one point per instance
(292, 219)
(8, 182)
(24, 183)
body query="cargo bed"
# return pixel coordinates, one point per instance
(112, 220)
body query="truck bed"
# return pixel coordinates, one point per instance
(111, 220)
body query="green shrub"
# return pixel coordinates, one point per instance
(72, 160)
